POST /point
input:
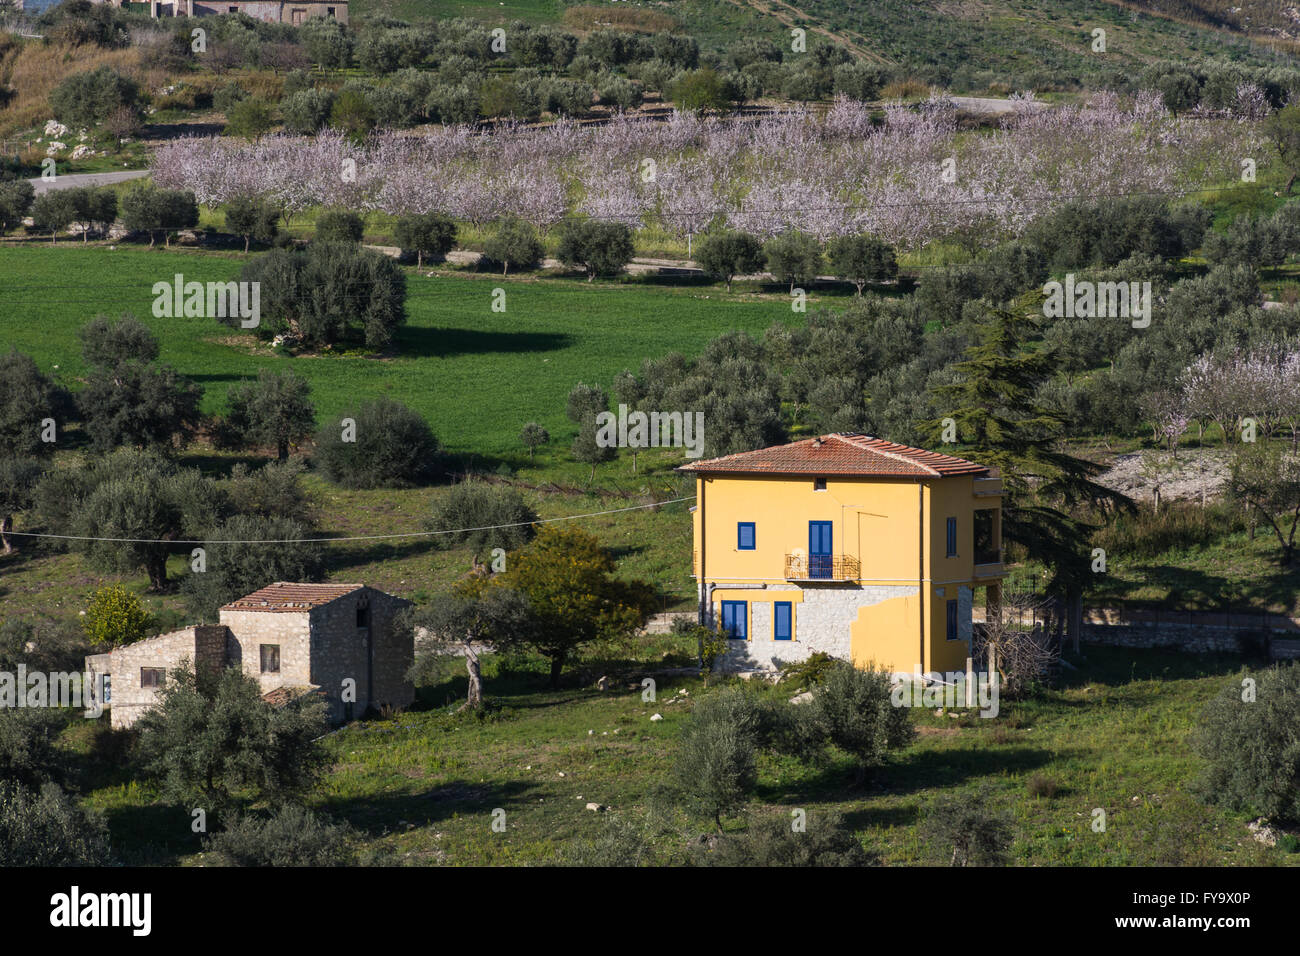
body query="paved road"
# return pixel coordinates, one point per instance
(73, 180)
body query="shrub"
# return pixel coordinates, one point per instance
(226, 96)
(514, 243)
(339, 225)
(87, 99)
(28, 752)
(329, 293)
(115, 617)
(716, 765)
(293, 836)
(1247, 738)
(699, 90)
(26, 398)
(852, 709)
(964, 824)
(351, 113)
(106, 343)
(46, 828)
(391, 446)
(429, 234)
(772, 840)
(1041, 786)
(477, 504)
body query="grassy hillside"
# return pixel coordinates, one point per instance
(421, 788)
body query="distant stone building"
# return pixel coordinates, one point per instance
(337, 640)
(270, 11)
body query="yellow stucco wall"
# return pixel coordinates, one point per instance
(879, 522)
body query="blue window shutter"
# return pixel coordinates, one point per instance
(953, 633)
(746, 536)
(781, 621)
(952, 537)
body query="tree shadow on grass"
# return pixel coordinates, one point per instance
(424, 342)
(378, 814)
(154, 834)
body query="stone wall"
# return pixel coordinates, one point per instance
(823, 621)
(129, 699)
(341, 651)
(290, 630)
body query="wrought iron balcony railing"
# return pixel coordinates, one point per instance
(822, 567)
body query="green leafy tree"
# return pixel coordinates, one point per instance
(1283, 128)
(994, 403)
(212, 741)
(862, 259)
(139, 404)
(1247, 738)
(771, 840)
(339, 225)
(147, 208)
(116, 616)
(793, 257)
(576, 600)
(16, 198)
(108, 343)
(18, 479)
(598, 248)
(252, 218)
(89, 98)
(329, 293)
(699, 91)
(429, 234)
(851, 709)
(584, 404)
(45, 827)
(234, 565)
(966, 824)
(387, 445)
(351, 114)
(54, 212)
(533, 437)
(1267, 481)
(275, 410)
(470, 619)
(27, 399)
(514, 243)
(716, 767)
(725, 255)
(250, 118)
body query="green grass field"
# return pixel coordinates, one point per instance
(421, 788)
(476, 375)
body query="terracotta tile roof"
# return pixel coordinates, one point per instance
(842, 454)
(284, 596)
(282, 696)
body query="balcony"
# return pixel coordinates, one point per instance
(822, 567)
(988, 563)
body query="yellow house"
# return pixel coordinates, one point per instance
(858, 547)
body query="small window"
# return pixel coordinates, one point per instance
(330, 11)
(234, 9)
(107, 695)
(819, 484)
(363, 615)
(152, 676)
(953, 633)
(782, 621)
(735, 619)
(270, 658)
(952, 537)
(745, 536)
